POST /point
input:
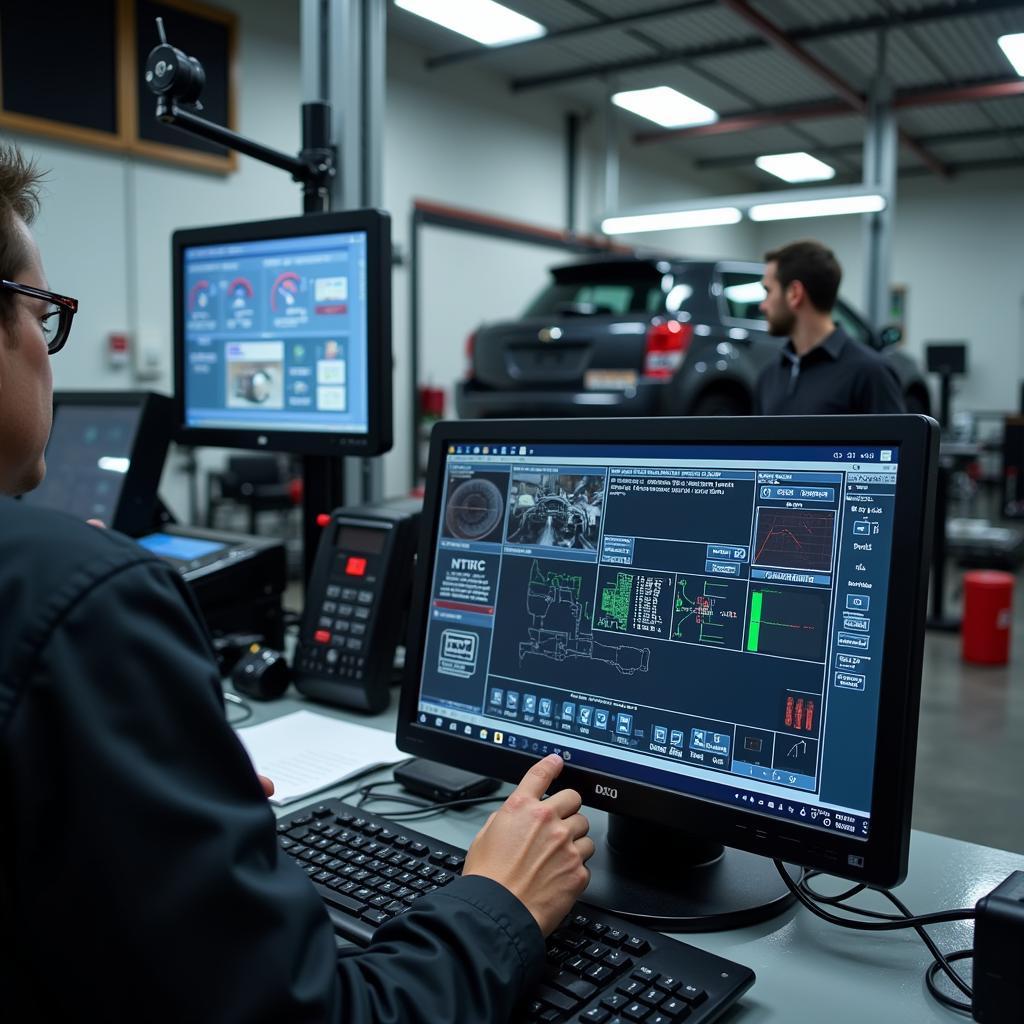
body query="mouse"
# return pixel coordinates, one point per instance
(261, 673)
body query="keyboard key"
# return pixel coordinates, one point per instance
(558, 1000)
(615, 936)
(614, 1002)
(374, 916)
(595, 1015)
(577, 963)
(636, 1011)
(596, 929)
(674, 1007)
(595, 951)
(692, 994)
(668, 983)
(598, 973)
(631, 987)
(617, 960)
(652, 996)
(646, 974)
(636, 945)
(571, 985)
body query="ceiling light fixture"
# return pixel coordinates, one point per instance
(665, 106)
(672, 220)
(796, 167)
(481, 20)
(1013, 47)
(833, 207)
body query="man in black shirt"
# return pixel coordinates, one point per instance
(140, 873)
(820, 369)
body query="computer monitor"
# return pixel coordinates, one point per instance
(105, 455)
(718, 623)
(282, 334)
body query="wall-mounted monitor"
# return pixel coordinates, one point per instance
(282, 334)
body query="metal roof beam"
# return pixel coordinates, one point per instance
(985, 134)
(783, 42)
(933, 12)
(988, 89)
(458, 56)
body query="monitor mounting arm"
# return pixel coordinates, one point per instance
(177, 81)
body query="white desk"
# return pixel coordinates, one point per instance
(807, 970)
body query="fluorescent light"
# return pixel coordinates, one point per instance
(817, 207)
(482, 20)
(1013, 47)
(669, 221)
(794, 167)
(665, 106)
(113, 464)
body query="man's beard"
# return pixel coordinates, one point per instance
(781, 325)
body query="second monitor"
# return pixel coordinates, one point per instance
(722, 636)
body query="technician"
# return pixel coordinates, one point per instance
(820, 369)
(140, 872)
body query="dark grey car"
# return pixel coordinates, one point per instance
(643, 337)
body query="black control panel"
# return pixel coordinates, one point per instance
(357, 605)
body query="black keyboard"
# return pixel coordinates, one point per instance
(601, 968)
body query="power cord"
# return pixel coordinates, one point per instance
(877, 921)
(422, 808)
(233, 698)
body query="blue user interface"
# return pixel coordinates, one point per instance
(180, 549)
(276, 334)
(704, 618)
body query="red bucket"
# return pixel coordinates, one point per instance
(988, 611)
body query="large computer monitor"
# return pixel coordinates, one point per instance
(717, 622)
(282, 334)
(105, 455)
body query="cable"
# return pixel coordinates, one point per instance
(232, 698)
(421, 808)
(811, 899)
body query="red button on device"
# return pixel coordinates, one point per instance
(355, 566)
(321, 636)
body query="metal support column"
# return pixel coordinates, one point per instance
(881, 153)
(611, 159)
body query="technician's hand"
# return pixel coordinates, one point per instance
(537, 849)
(268, 786)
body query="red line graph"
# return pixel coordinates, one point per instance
(794, 538)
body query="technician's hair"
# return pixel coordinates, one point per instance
(814, 266)
(19, 197)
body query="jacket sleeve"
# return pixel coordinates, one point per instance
(148, 882)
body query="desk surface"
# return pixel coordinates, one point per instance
(807, 970)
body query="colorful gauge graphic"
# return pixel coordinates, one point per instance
(285, 292)
(240, 291)
(200, 297)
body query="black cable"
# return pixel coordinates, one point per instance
(232, 698)
(890, 922)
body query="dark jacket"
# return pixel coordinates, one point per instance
(140, 876)
(837, 377)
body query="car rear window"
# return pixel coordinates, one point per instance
(609, 298)
(743, 294)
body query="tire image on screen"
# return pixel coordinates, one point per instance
(474, 509)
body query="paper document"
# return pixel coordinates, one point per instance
(305, 752)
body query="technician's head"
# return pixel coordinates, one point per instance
(34, 323)
(802, 280)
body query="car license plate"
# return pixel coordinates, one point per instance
(609, 380)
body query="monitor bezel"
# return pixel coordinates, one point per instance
(378, 437)
(881, 859)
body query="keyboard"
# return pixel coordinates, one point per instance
(600, 968)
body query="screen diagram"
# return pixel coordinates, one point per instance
(794, 538)
(555, 509)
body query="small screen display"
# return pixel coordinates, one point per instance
(275, 334)
(181, 549)
(87, 457)
(367, 542)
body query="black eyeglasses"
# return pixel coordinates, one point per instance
(56, 321)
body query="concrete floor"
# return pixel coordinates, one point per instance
(970, 751)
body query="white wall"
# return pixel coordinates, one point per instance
(959, 249)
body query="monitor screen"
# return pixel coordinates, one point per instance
(105, 455)
(706, 617)
(87, 457)
(283, 333)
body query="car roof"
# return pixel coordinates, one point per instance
(651, 265)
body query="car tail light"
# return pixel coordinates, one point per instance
(470, 346)
(667, 343)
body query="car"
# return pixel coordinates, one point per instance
(644, 336)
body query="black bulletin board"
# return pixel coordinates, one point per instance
(73, 71)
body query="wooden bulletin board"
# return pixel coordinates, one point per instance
(73, 72)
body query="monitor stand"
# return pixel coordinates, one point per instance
(675, 882)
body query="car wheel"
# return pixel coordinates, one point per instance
(721, 403)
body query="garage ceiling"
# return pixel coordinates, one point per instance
(782, 74)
